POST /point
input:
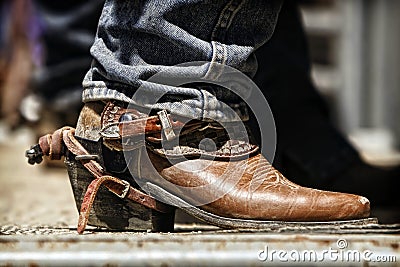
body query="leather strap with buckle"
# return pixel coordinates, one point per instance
(52, 145)
(140, 123)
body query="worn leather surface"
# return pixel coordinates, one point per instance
(245, 187)
(89, 121)
(253, 189)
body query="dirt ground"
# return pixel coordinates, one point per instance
(32, 195)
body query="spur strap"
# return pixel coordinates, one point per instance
(138, 123)
(127, 129)
(52, 145)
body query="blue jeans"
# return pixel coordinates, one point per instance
(137, 39)
(308, 146)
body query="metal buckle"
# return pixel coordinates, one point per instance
(125, 191)
(166, 125)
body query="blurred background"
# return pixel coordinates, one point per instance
(355, 52)
(354, 47)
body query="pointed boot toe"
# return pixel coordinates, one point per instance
(253, 189)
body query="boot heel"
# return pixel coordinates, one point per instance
(108, 210)
(163, 222)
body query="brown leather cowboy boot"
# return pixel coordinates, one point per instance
(230, 181)
(164, 158)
